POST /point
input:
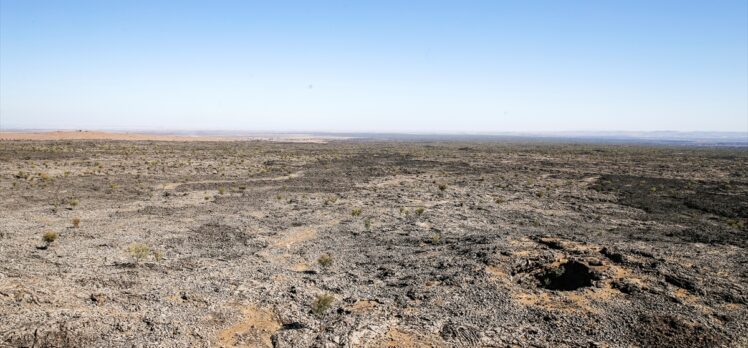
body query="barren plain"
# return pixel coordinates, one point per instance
(371, 244)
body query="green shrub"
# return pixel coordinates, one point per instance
(322, 304)
(419, 211)
(356, 212)
(325, 260)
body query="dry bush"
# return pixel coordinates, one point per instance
(139, 251)
(49, 237)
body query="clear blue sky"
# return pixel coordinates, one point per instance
(429, 66)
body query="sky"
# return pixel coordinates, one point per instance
(375, 66)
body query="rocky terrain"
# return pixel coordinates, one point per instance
(371, 244)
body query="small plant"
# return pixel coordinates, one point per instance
(139, 251)
(221, 191)
(436, 238)
(158, 255)
(736, 224)
(419, 211)
(113, 186)
(356, 212)
(49, 237)
(278, 197)
(367, 223)
(322, 304)
(331, 200)
(73, 202)
(242, 187)
(206, 198)
(442, 187)
(325, 260)
(76, 222)
(498, 200)
(653, 189)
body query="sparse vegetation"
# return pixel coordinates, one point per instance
(325, 260)
(331, 200)
(442, 187)
(736, 224)
(322, 304)
(436, 238)
(49, 237)
(138, 251)
(441, 258)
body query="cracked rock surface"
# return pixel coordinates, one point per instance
(373, 244)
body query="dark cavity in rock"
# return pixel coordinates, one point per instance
(569, 276)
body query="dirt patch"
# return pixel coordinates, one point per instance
(295, 236)
(255, 329)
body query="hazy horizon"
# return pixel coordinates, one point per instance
(380, 67)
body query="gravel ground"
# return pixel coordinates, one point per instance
(392, 244)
